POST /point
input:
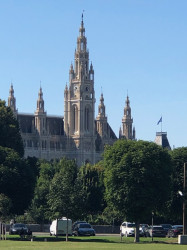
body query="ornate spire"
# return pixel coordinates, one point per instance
(127, 131)
(127, 109)
(40, 101)
(12, 99)
(127, 101)
(101, 108)
(82, 29)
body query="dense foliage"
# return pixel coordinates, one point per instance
(9, 130)
(17, 175)
(134, 179)
(136, 173)
(179, 157)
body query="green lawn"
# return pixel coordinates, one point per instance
(90, 243)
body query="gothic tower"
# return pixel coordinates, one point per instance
(40, 115)
(126, 131)
(79, 102)
(101, 118)
(12, 100)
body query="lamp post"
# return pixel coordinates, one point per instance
(152, 224)
(184, 201)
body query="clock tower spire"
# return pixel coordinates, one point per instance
(79, 111)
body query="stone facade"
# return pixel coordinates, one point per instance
(77, 135)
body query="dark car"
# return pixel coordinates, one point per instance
(83, 229)
(143, 229)
(156, 231)
(76, 223)
(18, 228)
(175, 231)
(166, 227)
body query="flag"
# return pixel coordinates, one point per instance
(159, 120)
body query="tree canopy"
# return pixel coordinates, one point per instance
(66, 196)
(9, 130)
(137, 178)
(17, 179)
(179, 157)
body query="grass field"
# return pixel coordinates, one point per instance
(89, 243)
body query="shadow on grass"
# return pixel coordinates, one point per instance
(92, 239)
(57, 239)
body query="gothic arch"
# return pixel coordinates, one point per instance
(87, 118)
(75, 118)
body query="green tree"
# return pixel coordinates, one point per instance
(9, 130)
(93, 184)
(17, 179)
(136, 173)
(5, 205)
(179, 157)
(66, 196)
(39, 209)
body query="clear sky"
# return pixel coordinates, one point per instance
(139, 46)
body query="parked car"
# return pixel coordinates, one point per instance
(18, 228)
(127, 229)
(59, 227)
(83, 229)
(175, 231)
(143, 229)
(166, 227)
(156, 231)
(77, 222)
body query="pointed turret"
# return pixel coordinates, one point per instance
(82, 29)
(91, 72)
(40, 101)
(40, 114)
(127, 122)
(101, 108)
(12, 100)
(101, 118)
(71, 73)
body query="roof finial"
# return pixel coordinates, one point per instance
(82, 15)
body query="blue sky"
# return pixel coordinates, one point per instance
(139, 46)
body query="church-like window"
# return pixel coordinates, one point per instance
(82, 46)
(86, 67)
(86, 119)
(75, 119)
(91, 76)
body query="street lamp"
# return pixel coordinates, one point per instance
(152, 224)
(184, 201)
(183, 195)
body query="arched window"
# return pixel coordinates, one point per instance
(82, 45)
(91, 76)
(86, 118)
(75, 119)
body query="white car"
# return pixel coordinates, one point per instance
(127, 229)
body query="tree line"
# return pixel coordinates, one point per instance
(134, 180)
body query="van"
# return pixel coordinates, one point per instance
(61, 227)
